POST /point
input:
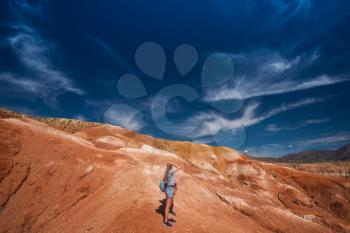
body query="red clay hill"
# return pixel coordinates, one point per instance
(61, 175)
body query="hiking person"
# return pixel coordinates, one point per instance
(170, 190)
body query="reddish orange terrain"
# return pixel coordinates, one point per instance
(59, 175)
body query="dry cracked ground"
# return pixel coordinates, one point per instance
(59, 175)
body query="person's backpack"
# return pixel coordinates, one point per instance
(162, 186)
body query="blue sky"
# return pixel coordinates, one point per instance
(268, 77)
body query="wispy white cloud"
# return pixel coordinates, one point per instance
(36, 54)
(104, 46)
(33, 51)
(25, 84)
(278, 128)
(107, 111)
(286, 10)
(245, 89)
(114, 54)
(211, 123)
(269, 73)
(341, 137)
(125, 116)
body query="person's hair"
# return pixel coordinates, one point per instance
(169, 166)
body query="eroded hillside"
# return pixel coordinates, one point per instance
(87, 177)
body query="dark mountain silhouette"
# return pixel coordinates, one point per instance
(313, 156)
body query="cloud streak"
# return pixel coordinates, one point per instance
(268, 73)
(286, 10)
(278, 128)
(125, 116)
(211, 123)
(341, 137)
(258, 88)
(41, 77)
(112, 53)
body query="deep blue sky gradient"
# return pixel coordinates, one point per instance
(92, 43)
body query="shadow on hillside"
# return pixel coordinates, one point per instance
(161, 208)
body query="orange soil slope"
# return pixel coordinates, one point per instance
(104, 179)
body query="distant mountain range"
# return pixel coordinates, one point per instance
(313, 156)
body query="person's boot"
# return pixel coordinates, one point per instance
(167, 224)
